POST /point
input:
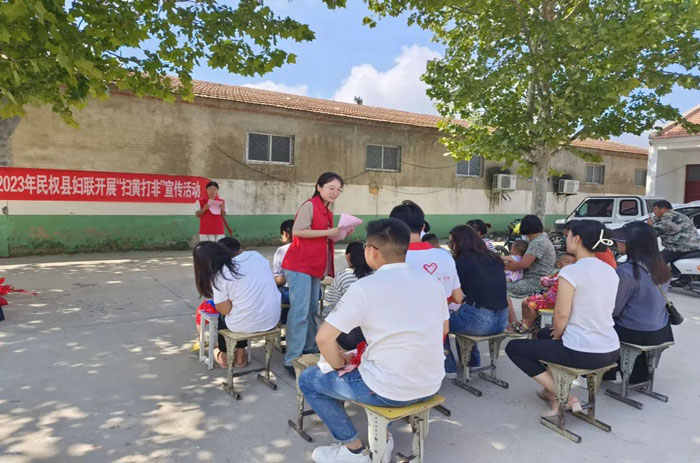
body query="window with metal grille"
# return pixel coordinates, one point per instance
(640, 177)
(272, 149)
(471, 168)
(386, 158)
(595, 174)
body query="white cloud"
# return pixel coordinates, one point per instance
(302, 90)
(398, 88)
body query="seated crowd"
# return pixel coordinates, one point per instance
(402, 293)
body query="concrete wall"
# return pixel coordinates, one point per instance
(666, 175)
(208, 138)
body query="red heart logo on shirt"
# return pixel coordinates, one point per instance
(430, 268)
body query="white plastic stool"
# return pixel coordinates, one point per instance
(213, 321)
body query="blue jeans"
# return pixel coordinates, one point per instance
(284, 292)
(301, 320)
(325, 394)
(477, 321)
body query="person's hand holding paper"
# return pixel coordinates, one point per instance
(346, 226)
(215, 206)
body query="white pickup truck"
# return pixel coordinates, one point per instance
(615, 211)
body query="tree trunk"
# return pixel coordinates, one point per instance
(540, 174)
(7, 128)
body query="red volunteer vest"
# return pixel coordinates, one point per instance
(210, 224)
(310, 255)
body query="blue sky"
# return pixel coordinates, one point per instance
(382, 65)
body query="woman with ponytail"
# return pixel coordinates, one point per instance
(582, 333)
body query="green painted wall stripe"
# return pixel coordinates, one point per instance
(51, 234)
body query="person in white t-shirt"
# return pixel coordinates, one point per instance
(243, 289)
(422, 256)
(403, 315)
(582, 335)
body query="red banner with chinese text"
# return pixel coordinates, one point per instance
(19, 183)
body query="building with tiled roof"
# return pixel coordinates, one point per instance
(269, 98)
(674, 161)
(266, 149)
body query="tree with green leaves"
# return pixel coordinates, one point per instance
(60, 54)
(530, 77)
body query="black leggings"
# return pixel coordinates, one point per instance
(527, 354)
(222, 340)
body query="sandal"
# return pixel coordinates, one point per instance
(512, 328)
(522, 328)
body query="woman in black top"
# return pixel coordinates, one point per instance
(483, 280)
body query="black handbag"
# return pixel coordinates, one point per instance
(674, 316)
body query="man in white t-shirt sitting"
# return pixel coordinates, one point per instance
(422, 256)
(403, 315)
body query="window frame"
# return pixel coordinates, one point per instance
(481, 167)
(399, 149)
(269, 151)
(595, 166)
(637, 209)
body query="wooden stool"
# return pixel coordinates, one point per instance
(563, 379)
(378, 419)
(213, 321)
(628, 355)
(231, 340)
(466, 343)
(301, 364)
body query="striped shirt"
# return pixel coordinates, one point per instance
(335, 291)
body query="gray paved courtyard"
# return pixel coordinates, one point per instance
(98, 368)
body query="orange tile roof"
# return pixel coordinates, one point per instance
(256, 96)
(675, 130)
(606, 145)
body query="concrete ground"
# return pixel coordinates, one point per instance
(98, 368)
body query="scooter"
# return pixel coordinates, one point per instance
(686, 272)
(513, 234)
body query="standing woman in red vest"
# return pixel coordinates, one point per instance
(308, 260)
(211, 211)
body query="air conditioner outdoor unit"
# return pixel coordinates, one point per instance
(568, 187)
(504, 182)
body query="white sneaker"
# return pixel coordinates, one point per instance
(386, 458)
(339, 453)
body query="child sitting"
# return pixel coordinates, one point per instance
(546, 299)
(517, 251)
